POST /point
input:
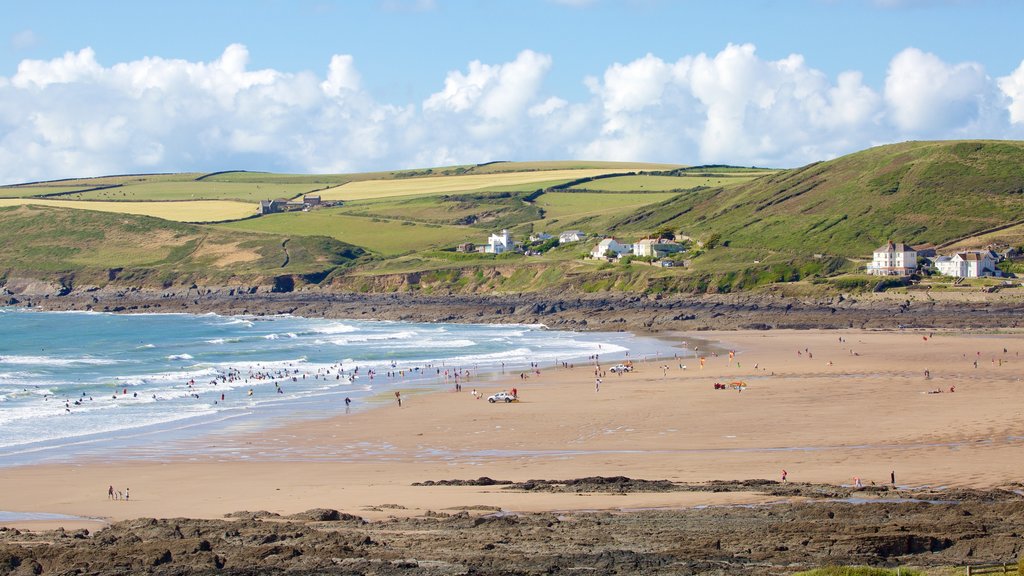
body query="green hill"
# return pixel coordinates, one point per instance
(923, 193)
(85, 247)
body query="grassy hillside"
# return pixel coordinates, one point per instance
(923, 193)
(96, 247)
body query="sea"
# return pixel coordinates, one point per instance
(77, 385)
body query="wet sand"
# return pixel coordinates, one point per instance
(836, 411)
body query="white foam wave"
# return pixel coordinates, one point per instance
(180, 357)
(144, 346)
(56, 361)
(335, 329)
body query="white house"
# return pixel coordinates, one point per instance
(610, 245)
(571, 236)
(499, 243)
(891, 259)
(540, 237)
(650, 247)
(970, 264)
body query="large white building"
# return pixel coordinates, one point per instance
(499, 243)
(610, 245)
(893, 259)
(571, 236)
(970, 264)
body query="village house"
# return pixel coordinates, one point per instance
(571, 236)
(466, 248)
(499, 243)
(969, 264)
(610, 246)
(540, 237)
(893, 259)
(653, 248)
(311, 199)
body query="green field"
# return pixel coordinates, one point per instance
(186, 211)
(385, 237)
(579, 205)
(201, 190)
(656, 183)
(27, 191)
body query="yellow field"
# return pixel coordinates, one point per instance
(369, 189)
(188, 211)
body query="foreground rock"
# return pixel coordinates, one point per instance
(969, 527)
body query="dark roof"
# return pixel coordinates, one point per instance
(897, 247)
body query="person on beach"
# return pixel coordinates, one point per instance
(892, 477)
(597, 385)
(127, 496)
(110, 492)
(784, 474)
(348, 404)
(398, 397)
(857, 483)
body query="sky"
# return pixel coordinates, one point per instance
(322, 86)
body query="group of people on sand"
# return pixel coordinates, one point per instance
(117, 494)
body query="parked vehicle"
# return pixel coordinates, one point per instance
(501, 397)
(620, 368)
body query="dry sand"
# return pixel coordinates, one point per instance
(849, 409)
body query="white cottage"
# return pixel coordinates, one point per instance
(970, 264)
(499, 243)
(610, 245)
(893, 259)
(656, 248)
(571, 236)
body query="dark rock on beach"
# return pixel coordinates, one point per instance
(607, 311)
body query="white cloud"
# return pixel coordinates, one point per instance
(72, 116)
(928, 96)
(1013, 87)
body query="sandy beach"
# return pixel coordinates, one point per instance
(826, 406)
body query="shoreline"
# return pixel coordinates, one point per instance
(564, 428)
(148, 440)
(606, 312)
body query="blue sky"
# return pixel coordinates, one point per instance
(95, 88)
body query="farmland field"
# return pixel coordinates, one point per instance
(123, 179)
(498, 167)
(201, 190)
(646, 182)
(387, 237)
(580, 204)
(450, 184)
(189, 211)
(26, 191)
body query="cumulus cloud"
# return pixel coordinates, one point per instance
(927, 95)
(72, 116)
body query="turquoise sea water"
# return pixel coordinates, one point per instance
(92, 384)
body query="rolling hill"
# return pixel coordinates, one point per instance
(84, 247)
(922, 193)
